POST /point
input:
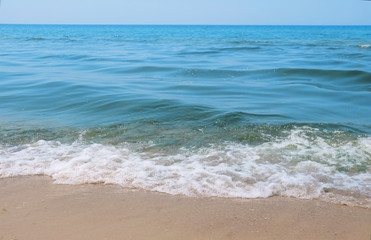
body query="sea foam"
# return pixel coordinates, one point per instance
(294, 166)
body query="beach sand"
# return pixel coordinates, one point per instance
(35, 208)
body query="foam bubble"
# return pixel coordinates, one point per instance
(299, 165)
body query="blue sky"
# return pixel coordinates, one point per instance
(244, 12)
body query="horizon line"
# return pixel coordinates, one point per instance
(167, 24)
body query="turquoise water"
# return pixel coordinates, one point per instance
(228, 111)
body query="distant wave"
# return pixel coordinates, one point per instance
(37, 38)
(199, 52)
(240, 48)
(220, 50)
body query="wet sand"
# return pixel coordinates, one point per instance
(34, 208)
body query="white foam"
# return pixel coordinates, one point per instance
(364, 46)
(295, 166)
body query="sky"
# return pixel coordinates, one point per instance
(205, 12)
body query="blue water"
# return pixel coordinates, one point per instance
(240, 102)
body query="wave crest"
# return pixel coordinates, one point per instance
(299, 165)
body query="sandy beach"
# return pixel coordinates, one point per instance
(35, 208)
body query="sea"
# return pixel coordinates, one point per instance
(202, 111)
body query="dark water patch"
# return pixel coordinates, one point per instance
(334, 48)
(343, 76)
(238, 49)
(67, 57)
(51, 39)
(150, 69)
(69, 39)
(212, 73)
(199, 52)
(137, 70)
(220, 50)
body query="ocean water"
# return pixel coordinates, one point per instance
(223, 111)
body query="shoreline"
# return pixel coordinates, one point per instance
(32, 207)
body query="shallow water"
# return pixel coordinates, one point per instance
(229, 111)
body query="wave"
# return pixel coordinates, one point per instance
(301, 164)
(238, 49)
(68, 57)
(200, 52)
(252, 42)
(353, 77)
(177, 94)
(62, 39)
(220, 50)
(37, 38)
(51, 38)
(212, 73)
